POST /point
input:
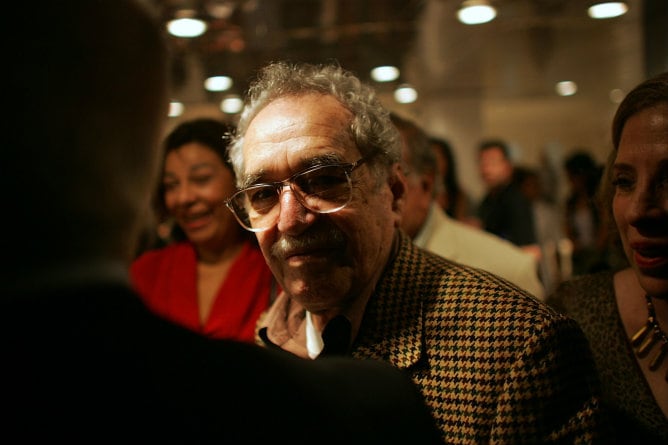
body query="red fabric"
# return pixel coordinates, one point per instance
(166, 279)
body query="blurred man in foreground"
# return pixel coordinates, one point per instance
(83, 360)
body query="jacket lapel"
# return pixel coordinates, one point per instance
(392, 326)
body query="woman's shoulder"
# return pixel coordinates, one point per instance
(583, 292)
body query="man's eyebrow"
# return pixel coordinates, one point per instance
(324, 159)
(251, 179)
(621, 166)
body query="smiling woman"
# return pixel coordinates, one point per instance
(212, 277)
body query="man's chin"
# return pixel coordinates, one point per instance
(317, 291)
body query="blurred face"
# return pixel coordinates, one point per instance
(325, 261)
(441, 196)
(196, 184)
(419, 195)
(495, 169)
(640, 202)
(531, 187)
(441, 161)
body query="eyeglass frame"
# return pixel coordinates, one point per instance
(348, 168)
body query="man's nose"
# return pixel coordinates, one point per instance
(293, 217)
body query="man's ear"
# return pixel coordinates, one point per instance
(397, 183)
(427, 181)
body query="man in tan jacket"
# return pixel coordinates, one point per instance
(432, 229)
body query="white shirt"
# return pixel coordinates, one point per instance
(473, 247)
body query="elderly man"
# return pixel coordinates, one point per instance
(321, 185)
(431, 228)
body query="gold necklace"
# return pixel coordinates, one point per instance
(649, 335)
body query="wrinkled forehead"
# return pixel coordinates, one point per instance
(295, 132)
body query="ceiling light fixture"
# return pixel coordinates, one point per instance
(566, 88)
(607, 10)
(476, 12)
(185, 24)
(385, 73)
(218, 83)
(616, 95)
(175, 109)
(405, 94)
(232, 104)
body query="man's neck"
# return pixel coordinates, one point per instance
(355, 311)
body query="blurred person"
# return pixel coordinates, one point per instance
(448, 193)
(84, 361)
(549, 232)
(582, 217)
(624, 312)
(212, 277)
(318, 166)
(504, 211)
(432, 229)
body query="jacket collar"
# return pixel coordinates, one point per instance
(391, 328)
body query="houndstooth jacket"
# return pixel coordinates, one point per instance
(494, 364)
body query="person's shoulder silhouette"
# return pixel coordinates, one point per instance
(83, 359)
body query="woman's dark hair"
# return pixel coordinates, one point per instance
(582, 164)
(450, 179)
(206, 131)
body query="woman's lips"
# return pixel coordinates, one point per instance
(196, 222)
(650, 256)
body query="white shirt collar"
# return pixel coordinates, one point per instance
(427, 228)
(314, 343)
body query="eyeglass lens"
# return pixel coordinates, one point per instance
(322, 189)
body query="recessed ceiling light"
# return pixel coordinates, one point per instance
(385, 73)
(475, 12)
(566, 88)
(175, 109)
(231, 104)
(405, 94)
(185, 24)
(218, 83)
(616, 96)
(607, 10)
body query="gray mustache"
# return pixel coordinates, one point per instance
(330, 238)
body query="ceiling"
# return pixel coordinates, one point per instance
(243, 35)
(497, 78)
(519, 53)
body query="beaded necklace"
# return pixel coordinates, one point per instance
(649, 335)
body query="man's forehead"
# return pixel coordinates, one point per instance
(300, 111)
(295, 127)
(300, 121)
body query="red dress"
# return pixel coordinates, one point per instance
(166, 279)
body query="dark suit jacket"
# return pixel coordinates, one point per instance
(93, 365)
(507, 213)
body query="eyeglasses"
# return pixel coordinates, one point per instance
(321, 189)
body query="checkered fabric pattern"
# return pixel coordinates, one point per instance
(494, 364)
